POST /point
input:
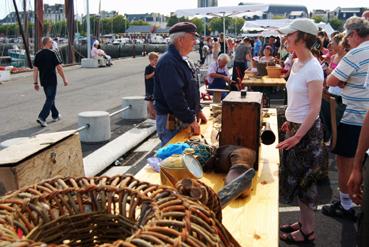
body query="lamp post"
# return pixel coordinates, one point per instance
(88, 29)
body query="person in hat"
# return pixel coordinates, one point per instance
(302, 150)
(176, 92)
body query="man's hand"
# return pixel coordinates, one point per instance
(66, 82)
(354, 186)
(195, 128)
(36, 86)
(201, 118)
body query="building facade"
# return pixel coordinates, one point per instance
(54, 13)
(207, 3)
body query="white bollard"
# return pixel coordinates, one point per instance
(13, 141)
(99, 126)
(138, 107)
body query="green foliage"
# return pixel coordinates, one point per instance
(174, 19)
(9, 29)
(236, 25)
(216, 24)
(119, 24)
(278, 17)
(199, 24)
(318, 19)
(337, 24)
(139, 23)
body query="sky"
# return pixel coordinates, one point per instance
(167, 6)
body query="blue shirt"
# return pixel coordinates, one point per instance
(175, 90)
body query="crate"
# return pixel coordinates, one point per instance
(274, 71)
(241, 121)
(41, 157)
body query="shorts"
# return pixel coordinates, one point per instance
(347, 140)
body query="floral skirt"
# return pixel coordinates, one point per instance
(301, 166)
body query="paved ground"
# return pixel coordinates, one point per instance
(102, 89)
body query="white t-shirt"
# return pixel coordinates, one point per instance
(94, 52)
(298, 105)
(214, 68)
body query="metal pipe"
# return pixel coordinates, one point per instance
(86, 126)
(121, 110)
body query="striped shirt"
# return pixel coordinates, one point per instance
(353, 69)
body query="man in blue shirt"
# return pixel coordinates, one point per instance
(176, 92)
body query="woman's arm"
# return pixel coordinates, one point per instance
(315, 95)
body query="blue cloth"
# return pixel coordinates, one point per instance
(50, 93)
(175, 90)
(171, 149)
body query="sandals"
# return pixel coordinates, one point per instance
(290, 240)
(287, 228)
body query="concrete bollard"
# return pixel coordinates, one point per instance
(138, 107)
(13, 141)
(99, 126)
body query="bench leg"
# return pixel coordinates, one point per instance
(217, 97)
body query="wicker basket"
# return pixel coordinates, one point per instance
(274, 71)
(107, 211)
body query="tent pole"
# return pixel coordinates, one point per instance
(204, 26)
(224, 41)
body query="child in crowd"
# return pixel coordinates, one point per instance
(149, 83)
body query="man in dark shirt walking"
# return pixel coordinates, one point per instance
(45, 63)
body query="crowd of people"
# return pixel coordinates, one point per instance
(314, 65)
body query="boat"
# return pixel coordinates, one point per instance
(18, 57)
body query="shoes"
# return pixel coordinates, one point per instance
(41, 122)
(290, 240)
(288, 228)
(336, 210)
(57, 118)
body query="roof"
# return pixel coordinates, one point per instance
(139, 29)
(297, 13)
(162, 30)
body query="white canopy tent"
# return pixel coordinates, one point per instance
(210, 12)
(270, 24)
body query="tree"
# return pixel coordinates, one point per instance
(318, 19)
(119, 24)
(336, 23)
(199, 24)
(139, 23)
(216, 24)
(236, 25)
(174, 19)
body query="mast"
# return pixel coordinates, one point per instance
(22, 33)
(25, 24)
(88, 29)
(69, 14)
(39, 24)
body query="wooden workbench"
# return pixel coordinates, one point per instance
(264, 81)
(252, 221)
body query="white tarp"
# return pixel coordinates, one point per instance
(249, 9)
(272, 24)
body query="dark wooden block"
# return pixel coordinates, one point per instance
(241, 121)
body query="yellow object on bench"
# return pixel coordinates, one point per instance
(252, 221)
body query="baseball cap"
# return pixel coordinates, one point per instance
(186, 27)
(303, 25)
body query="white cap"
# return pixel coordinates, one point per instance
(303, 25)
(96, 42)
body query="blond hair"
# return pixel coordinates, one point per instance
(153, 55)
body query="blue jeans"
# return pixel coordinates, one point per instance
(164, 134)
(50, 93)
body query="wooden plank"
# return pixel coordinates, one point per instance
(252, 221)
(62, 159)
(16, 153)
(264, 81)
